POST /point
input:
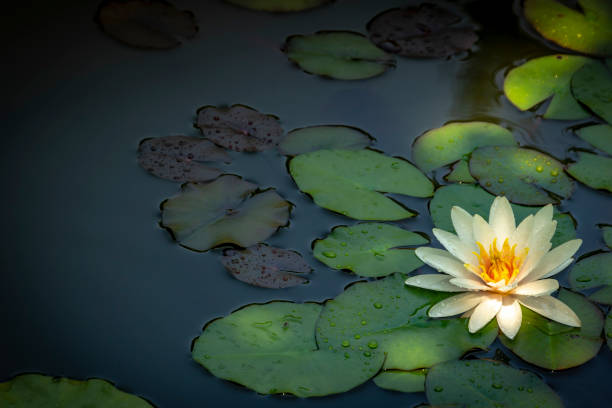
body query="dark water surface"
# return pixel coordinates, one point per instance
(92, 287)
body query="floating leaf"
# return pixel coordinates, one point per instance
(428, 30)
(268, 267)
(176, 158)
(541, 78)
(389, 317)
(451, 142)
(271, 349)
(225, 211)
(42, 391)
(146, 24)
(487, 384)
(337, 54)
(608, 329)
(592, 272)
(525, 176)
(278, 6)
(588, 31)
(313, 138)
(239, 128)
(592, 85)
(553, 345)
(599, 136)
(460, 173)
(475, 200)
(607, 234)
(593, 170)
(402, 381)
(370, 249)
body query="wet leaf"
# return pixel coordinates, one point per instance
(146, 24)
(427, 30)
(386, 316)
(225, 211)
(553, 345)
(271, 349)
(451, 142)
(607, 234)
(370, 249)
(608, 329)
(350, 182)
(592, 85)
(541, 78)
(593, 170)
(599, 136)
(337, 54)
(239, 128)
(475, 200)
(278, 6)
(460, 173)
(265, 266)
(593, 272)
(525, 176)
(402, 381)
(42, 391)
(487, 384)
(588, 31)
(313, 138)
(176, 158)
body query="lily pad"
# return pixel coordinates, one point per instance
(239, 128)
(350, 182)
(268, 267)
(451, 142)
(278, 6)
(402, 381)
(593, 170)
(592, 272)
(460, 173)
(146, 24)
(370, 249)
(599, 136)
(176, 158)
(588, 31)
(607, 234)
(389, 317)
(553, 345)
(608, 329)
(541, 78)
(338, 54)
(428, 30)
(228, 210)
(592, 85)
(312, 138)
(524, 176)
(487, 384)
(475, 200)
(271, 349)
(42, 391)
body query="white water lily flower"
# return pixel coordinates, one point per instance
(499, 267)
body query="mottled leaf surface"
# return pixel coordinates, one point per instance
(599, 136)
(460, 173)
(278, 6)
(594, 271)
(592, 85)
(402, 381)
(312, 138)
(593, 170)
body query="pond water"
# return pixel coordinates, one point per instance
(93, 287)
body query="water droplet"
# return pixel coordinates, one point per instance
(521, 388)
(364, 231)
(329, 254)
(343, 244)
(378, 305)
(357, 336)
(554, 173)
(380, 257)
(500, 180)
(539, 169)
(438, 389)
(346, 343)
(363, 322)
(497, 386)
(488, 184)
(583, 279)
(553, 180)
(529, 390)
(332, 324)
(367, 353)
(373, 344)
(395, 165)
(347, 355)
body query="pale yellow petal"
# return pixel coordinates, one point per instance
(509, 317)
(521, 234)
(439, 282)
(543, 217)
(559, 268)
(456, 304)
(462, 222)
(484, 312)
(552, 260)
(443, 261)
(456, 247)
(501, 218)
(469, 283)
(551, 308)
(537, 288)
(483, 232)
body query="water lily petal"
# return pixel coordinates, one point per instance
(509, 317)
(551, 308)
(552, 260)
(537, 288)
(439, 282)
(559, 268)
(455, 246)
(543, 217)
(483, 232)
(484, 312)
(538, 247)
(443, 261)
(469, 284)
(456, 304)
(521, 234)
(501, 218)
(463, 224)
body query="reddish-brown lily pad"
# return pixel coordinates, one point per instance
(239, 128)
(265, 266)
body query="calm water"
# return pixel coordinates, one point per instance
(92, 287)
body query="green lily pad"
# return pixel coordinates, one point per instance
(338, 54)
(541, 78)
(388, 316)
(592, 85)
(278, 6)
(593, 170)
(589, 31)
(608, 329)
(524, 176)
(402, 381)
(592, 272)
(271, 349)
(607, 234)
(225, 211)
(599, 136)
(350, 182)
(42, 391)
(312, 138)
(460, 173)
(475, 200)
(451, 142)
(370, 249)
(487, 384)
(553, 345)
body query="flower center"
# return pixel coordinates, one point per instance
(497, 265)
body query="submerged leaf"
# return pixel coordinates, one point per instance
(350, 182)
(278, 6)
(402, 381)
(225, 211)
(607, 234)
(599, 136)
(337, 54)
(592, 272)
(239, 128)
(593, 170)
(592, 85)
(460, 173)
(313, 138)
(146, 24)
(370, 249)
(268, 267)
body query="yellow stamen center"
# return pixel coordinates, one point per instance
(497, 265)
